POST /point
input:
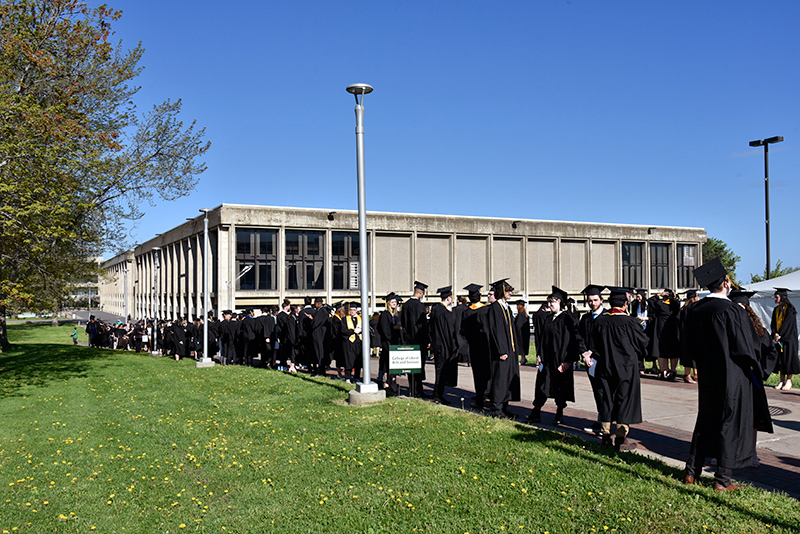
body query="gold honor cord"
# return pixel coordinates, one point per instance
(507, 315)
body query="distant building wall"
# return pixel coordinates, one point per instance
(297, 252)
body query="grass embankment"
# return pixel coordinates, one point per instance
(94, 440)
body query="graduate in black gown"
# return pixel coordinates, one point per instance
(389, 329)
(473, 328)
(505, 385)
(689, 371)
(594, 299)
(557, 358)
(720, 337)
(522, 322)
(337, 345)
(443, 344)
(618, 343)
(266, 336)
(768, 357)
(351, 341)
(320, 327)
(784, 332)
(415, 331)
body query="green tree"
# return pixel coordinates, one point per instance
(779, 270)
(717, 248)
(76, 159)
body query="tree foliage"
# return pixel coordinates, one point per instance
(76, 160)
(778, 270)
(716, 248)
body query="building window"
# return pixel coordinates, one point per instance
(344, 250)
(659, 265)
(632, 265)
(257, 249)
(305, 253)
(686, 265)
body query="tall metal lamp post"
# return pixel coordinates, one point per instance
(125, 294)
(156, 267)
(366, 385)
(765, 143)
(206, 361)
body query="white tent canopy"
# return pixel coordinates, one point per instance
(763, 302)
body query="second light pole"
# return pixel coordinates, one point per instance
(366, 385)
(765, 143)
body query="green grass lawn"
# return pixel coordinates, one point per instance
(105, 441)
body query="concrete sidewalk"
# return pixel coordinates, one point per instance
(669, 411)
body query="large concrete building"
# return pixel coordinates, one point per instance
(260, 254)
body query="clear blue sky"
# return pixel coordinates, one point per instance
(623, 112)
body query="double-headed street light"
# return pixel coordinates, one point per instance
(359, 90)
(230, 283)
(765, 143)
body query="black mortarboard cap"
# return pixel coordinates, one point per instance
(692, 293)
(520, 302)
(227, 312)
(619, 291)
(319, 299)
(445, 291)
(711, 273)
(473, 288)
(420, 285)
(355, 304)
(391, 296)
(500, 284)
(740, 296)
(337, 305)
(560, 293)
(593, 289)
(784, 291)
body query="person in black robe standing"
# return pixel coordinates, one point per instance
(351, 342)
(504, 385)
(179, 336)
(689, 370)
(337, 345)
(227, 341)
(556, 361)
(522, 322)
(415, 332)
(389, 329)
(248, 331)
(292, 341)
(443, 344)
(719, 335)
(768, 357)
(473, 328)
(618, 342)
(784, 333)
(320, 326)
(265, 336)
(594, 299)
(462, 350)
(658, 312)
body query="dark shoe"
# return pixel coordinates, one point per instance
(729, 487)
(442, 401)
(606, 442)
(476, 406)
(595, 429)
(509, 414)
(688, 479)
(559, 418)
(535, 416)
(623, 444)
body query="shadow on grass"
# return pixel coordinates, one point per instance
(39, 364)
(596, 455)
(323, 381)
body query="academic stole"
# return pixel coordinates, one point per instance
(507, 316)
(350, 326)
(779, 322)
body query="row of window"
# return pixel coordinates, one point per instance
(633, 265)
(305, 261)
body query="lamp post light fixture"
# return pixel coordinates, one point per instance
(765, 143)
(246, 269)
(156, 267)
(206, 361)
(366, 386)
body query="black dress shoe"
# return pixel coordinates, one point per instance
(442, 401)
(535, 416)
(559, 418)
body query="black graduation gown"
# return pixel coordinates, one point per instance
(292, 339)
(388, 328)
(788, 361)
(658, 312)
(618, 342)
(336, 335)
(179, 337)
(351, 343)
(685, 355)
(443, 346)
(669, 346)
(522, 322)
(415, 329)
(586, 342)
(474, 330)
(227, 334)
(505, 384)
(768, 357)
(320, 325)
(559, 345)
(462, 349)
(265, 330)
(721, 342)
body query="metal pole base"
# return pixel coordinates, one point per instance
(357, 398)
(205, 362)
